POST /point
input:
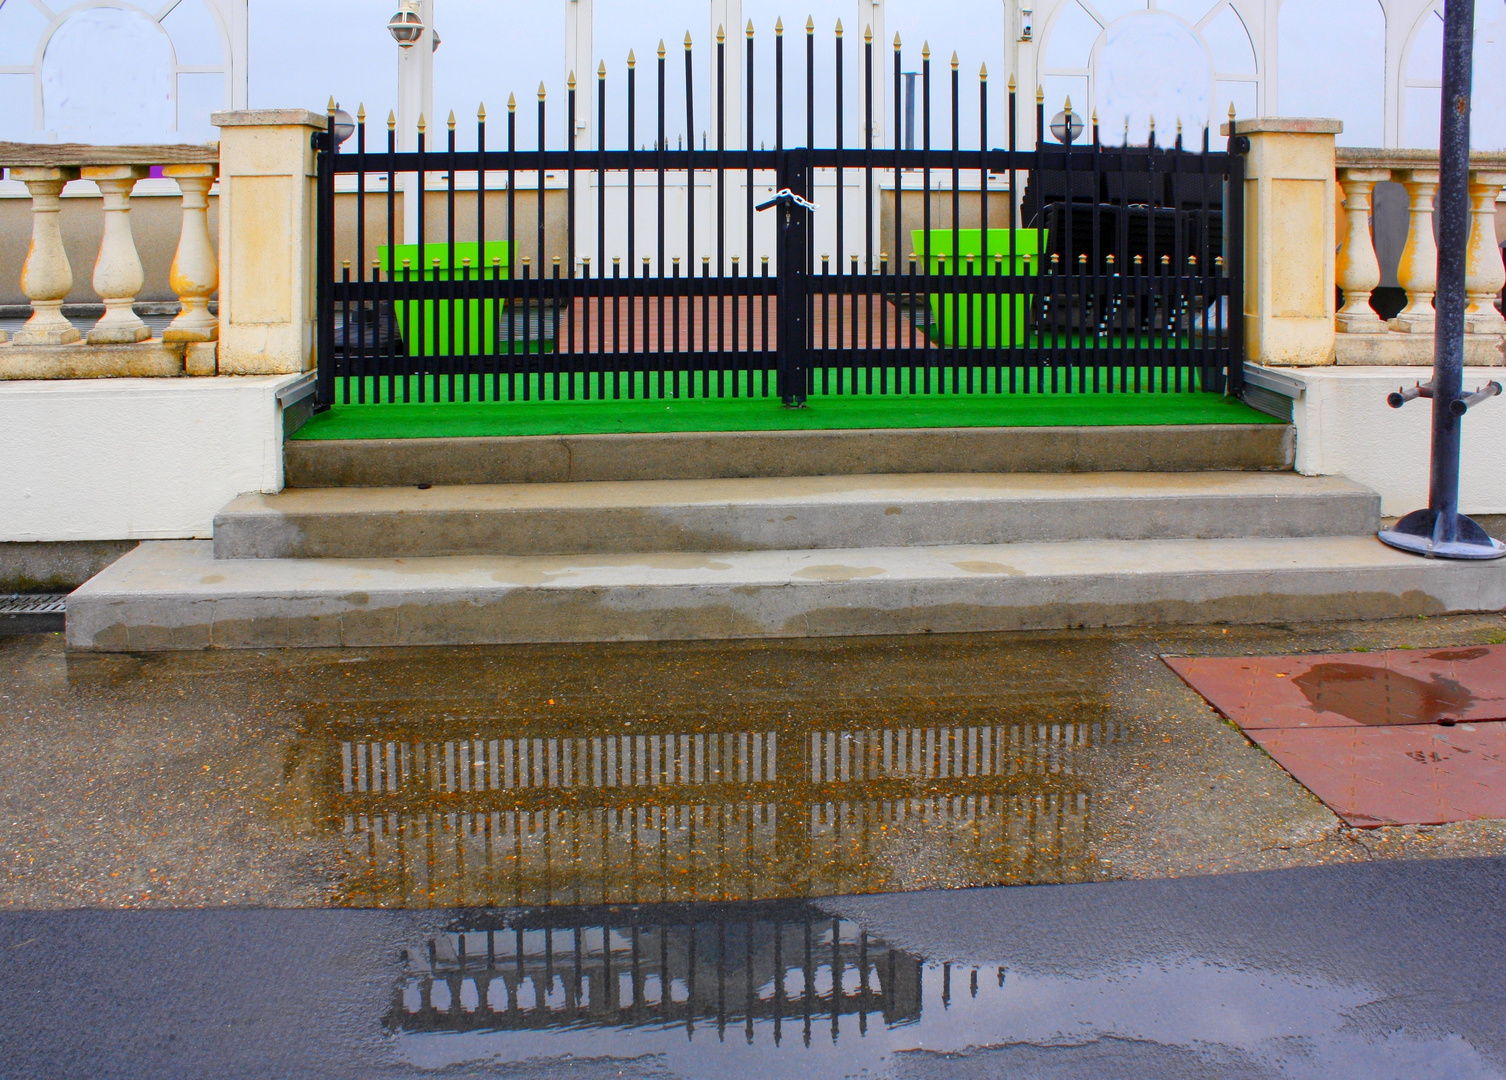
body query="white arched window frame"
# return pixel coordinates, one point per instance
(228, 16)
(1247, 85)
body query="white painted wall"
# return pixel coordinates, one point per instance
(1345, 428)
(134, 459)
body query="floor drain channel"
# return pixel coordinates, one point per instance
(35, 613)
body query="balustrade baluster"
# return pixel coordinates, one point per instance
(1358, 270)
(118, 276)
(47, 277)
(1418, 271)
(195, 272)
(1485, 273)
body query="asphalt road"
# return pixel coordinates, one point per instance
(1373, 971)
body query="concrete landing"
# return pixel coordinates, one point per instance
(710, 455)
(764, 514)
(175, 595)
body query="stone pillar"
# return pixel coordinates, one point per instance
(1291, 199)
(118, 275)
(195, 274)
(267, 224)
(1418, 272)
(1485, 274)
(46, 279)
(1358, 270)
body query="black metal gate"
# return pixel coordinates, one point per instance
(1090, 267)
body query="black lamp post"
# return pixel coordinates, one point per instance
(1441, 531)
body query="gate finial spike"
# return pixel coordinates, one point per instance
(810, 24)
(954, 61)
(1067, 108)
(896, 42)
(422, 126)
(541, 91)
(779, 28)
(570, 82)
(721, 34)
(983, 73)
(839, 28)
(750, 28)
(1231, 112)
(687, 40)
(391, 120)
(361, 113)
(1040, 95)
(925, 51)
(632, 60)
(601, 71)
(1013, 86)
(452, 120)
(329, 110)
(868, 35)
(1095, 116)
(512, 102)
(481, 113)
(661, 48)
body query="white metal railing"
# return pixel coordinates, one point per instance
(47, 277)
(1359, 272)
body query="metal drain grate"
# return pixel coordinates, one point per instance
(38, 613)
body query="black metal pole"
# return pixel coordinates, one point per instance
(1440, 530)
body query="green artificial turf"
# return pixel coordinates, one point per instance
(448, 419)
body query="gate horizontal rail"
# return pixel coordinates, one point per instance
(1088, 267)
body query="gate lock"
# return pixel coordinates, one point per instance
(785, 195)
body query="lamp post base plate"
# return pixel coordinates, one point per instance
(1414, 533)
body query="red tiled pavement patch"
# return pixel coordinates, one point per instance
(1404, 686)
(1402, 737)
(1400, 775)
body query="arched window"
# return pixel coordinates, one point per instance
(1422, 81)
(1317, 79)
(1134, 61)
(112, 71)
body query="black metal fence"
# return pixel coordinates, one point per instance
(1092, 268)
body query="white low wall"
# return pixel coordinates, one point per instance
(134, 459)
(1345, 428)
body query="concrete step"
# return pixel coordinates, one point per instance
(169, 595)
(315, 463)
(904, 510)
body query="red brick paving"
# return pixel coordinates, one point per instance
(1402, 737)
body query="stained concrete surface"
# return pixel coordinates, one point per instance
(1377, 971)
(278, 778)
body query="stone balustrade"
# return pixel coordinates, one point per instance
(1362, 337)
(119, 343)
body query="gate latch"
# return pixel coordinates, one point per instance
(785, 195)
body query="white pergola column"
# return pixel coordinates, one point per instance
(871, 16)
(580, 16)
(727, 16)
(415, 98)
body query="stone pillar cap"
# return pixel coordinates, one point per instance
(1284, 125)
(270, 118)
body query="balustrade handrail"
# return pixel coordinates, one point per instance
(1376, 157)
(63, 155)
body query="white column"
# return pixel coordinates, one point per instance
(1418, 271)
(415, 99)
(46, 279)
(118, 276)
(871, 17)
(727, 16)
(579, 23)
(195, 272)
(1358, 270)
(1484, 274)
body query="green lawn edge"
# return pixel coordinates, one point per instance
(481, 419)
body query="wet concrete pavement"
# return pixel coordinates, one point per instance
(665, 772)
(1376, 971)
(696, 860)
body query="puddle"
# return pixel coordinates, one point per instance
(1378, 697)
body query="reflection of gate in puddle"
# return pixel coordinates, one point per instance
(465, 818)
(724, 966)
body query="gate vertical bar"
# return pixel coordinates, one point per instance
(324, 257)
